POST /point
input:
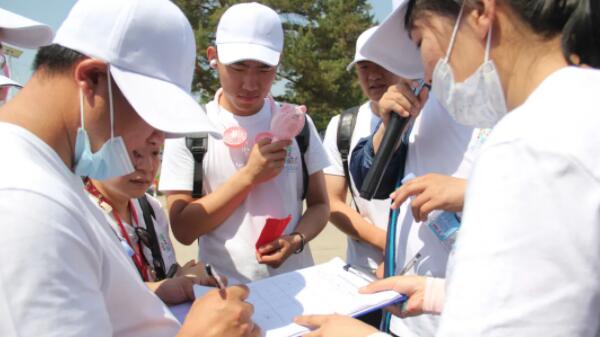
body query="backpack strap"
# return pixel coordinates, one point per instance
(198, 146)
(149, 216)
(303, 140)
(344, 137)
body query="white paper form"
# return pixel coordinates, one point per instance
(324, 289)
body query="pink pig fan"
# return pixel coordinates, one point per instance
(287, 122)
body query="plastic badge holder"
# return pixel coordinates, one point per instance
(273, 229)
(445, 226)
(127, 248)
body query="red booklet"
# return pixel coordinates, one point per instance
(273, 229)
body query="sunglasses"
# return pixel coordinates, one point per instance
(150, 241)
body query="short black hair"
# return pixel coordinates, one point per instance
(56, 58)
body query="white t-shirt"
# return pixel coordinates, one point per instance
(527, 259)
(375, 211)
(437, 144)
(161, 226)
(231, 246)
(64, 272)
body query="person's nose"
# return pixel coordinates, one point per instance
(374, 76)
(250, 82)
(143, 161)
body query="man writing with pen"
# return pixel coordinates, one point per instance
(81, 114)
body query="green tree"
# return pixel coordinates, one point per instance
(320, 39)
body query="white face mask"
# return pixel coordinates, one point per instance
(479, 100)
(112, 160)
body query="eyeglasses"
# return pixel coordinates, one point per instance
(150, 241)
(144, 237)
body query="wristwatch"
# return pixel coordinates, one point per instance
(302, 242)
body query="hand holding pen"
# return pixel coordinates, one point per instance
(219, 281)
(222, 312)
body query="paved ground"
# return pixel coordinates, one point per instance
(330, 243)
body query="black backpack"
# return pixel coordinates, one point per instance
(198, 146)
(344, 137)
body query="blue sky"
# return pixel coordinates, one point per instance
(53, 12)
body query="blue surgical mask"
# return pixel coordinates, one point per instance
(112, 160)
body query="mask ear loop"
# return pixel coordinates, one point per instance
(488, 45)
(454, 33)
(81, 108)
(110, 102)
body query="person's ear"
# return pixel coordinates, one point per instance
(90, 76)
(482, 17)
(211, 54)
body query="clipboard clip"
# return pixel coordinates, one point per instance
(363, 274)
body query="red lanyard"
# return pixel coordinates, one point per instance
(137, 254)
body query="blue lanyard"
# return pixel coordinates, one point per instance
(392, 229)
(390, 246)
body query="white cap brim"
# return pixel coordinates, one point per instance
(230, 53)
(353, 63)
(391, 47)
(22, 32)
(5, 81)
(163, 105)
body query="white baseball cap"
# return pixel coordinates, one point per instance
(360, 42)
(249, 31)
(7, 82)
(23, 32)
(151, 51)
(390, 45)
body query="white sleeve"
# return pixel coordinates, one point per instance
(527, 259)
(51, 273)
(177, 170)
(316, 157)
(335, 167)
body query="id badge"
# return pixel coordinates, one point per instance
(127, 248)
(445, 226)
